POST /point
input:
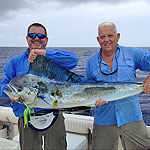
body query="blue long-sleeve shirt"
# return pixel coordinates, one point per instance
(19, 65)
(126, 60)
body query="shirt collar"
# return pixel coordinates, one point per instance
(27, 51)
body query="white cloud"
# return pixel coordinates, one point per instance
(4, 24)
(7, 7)
(75, 22)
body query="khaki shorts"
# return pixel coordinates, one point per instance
(133, 135)
(54, 137)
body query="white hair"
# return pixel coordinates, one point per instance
(107, 24)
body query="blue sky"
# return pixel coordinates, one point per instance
(73, 23)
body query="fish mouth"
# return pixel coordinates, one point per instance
(8, 92)
(12, 90)
(27, 96)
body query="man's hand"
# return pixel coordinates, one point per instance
(16, 99)
(100, 102)
(34, 53)
(146, 88)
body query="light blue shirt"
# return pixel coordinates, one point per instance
(126, 60)
(19, 65)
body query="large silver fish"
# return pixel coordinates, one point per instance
(47, 85)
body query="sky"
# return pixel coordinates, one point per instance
(74, 23)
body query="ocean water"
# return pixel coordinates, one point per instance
(83, 54)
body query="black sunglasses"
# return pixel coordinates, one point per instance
(110, 72)
(33, 35)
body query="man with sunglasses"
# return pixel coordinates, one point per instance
(54, 132)
(121, 118)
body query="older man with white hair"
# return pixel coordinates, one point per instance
(121, 118)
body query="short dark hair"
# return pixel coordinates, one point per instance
(37, 25)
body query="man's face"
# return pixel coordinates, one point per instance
(36, 43)
(108, 38)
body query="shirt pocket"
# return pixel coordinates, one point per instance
(97, 75)
(94, 73)
(126, 70)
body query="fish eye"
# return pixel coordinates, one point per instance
(52, 94)
(19, 90)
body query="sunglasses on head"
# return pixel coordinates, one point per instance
(33, 35)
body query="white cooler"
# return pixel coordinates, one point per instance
(8, 144)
